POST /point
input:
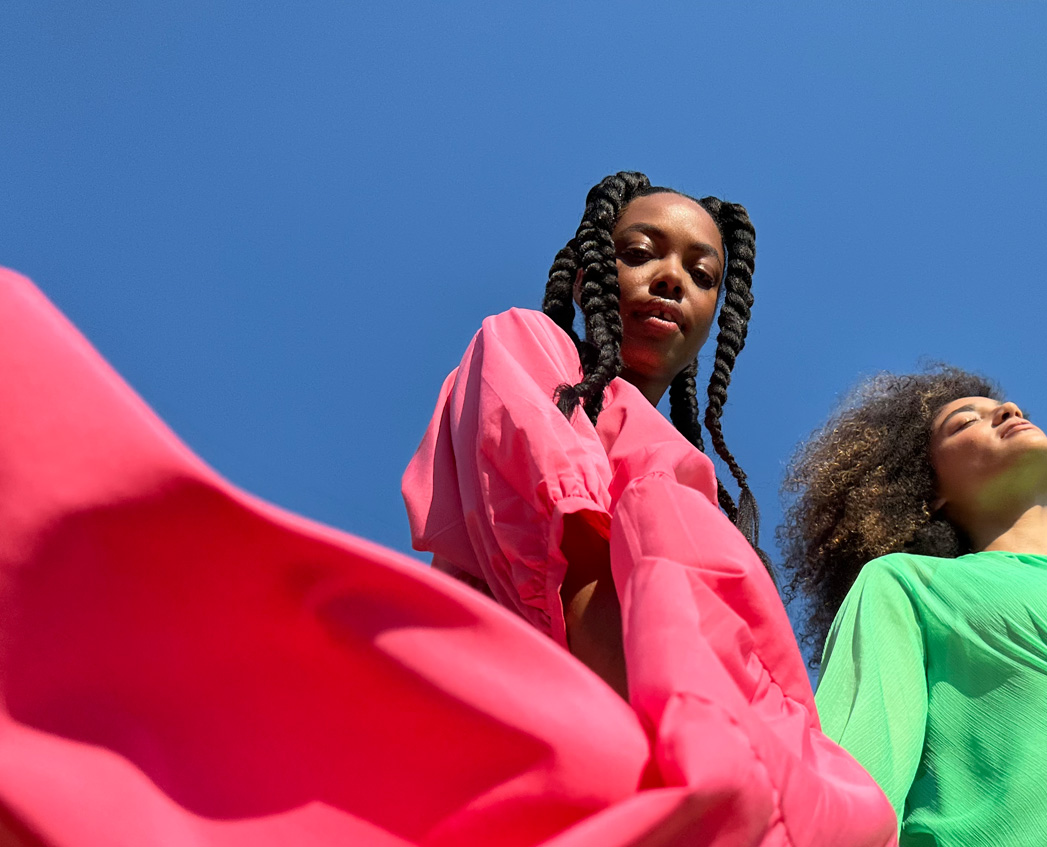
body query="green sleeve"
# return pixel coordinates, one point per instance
(872, 695)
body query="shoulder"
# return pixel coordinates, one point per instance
(887, 602)
(531, 340)
(903, 566)
(903, 578)
(525, 324)
(907, 569)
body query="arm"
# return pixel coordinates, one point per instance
(872, 695)
(593, 616)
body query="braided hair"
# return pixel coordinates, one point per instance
(592, 251)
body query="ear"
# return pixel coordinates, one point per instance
(936, 505)
(578, 288)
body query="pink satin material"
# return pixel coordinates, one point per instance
(715, 676)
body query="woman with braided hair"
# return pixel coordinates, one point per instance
(548, 480)
(919, 521)
(586, 269)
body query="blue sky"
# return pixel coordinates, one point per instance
(283, 222)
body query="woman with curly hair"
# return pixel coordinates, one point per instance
(934, 671)
(548, 480)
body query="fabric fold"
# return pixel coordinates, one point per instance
(184, 664)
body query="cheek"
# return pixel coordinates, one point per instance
(961, 467)
(943, 483)
(629, 281)
(944, 464)
(705, 316)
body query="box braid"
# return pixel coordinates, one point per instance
(592, 251)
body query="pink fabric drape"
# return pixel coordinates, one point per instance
(182, 664)
(715, 675)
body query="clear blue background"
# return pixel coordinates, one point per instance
(283, 222)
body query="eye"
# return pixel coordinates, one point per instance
(635, 254)
(703, 279)
(965, 423)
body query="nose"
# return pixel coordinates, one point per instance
(1005, 411)
(668, 281)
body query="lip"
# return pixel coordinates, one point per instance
(666, 311)
(1008, 428)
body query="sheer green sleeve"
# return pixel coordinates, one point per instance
(872, 695)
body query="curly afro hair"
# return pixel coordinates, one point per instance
(861, 487)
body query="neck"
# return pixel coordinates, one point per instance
(1025, 532)
(652, 389)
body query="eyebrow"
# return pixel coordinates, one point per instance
(969, 407)
(651, 229)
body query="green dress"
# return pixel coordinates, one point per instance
(934, 677)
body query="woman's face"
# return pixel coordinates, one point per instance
(670, 262)
(985, 454)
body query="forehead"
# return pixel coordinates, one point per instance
(671, 212)
(977, 404)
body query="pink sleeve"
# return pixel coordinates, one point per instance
(500, 467)
(715, 674)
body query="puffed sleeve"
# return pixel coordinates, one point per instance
(872, 695)
(500, 466)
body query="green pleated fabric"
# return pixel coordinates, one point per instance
(934, 677)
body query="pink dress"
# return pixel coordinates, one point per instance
(715, 677)
(184, 665)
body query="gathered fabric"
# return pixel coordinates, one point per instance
(715, 677)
